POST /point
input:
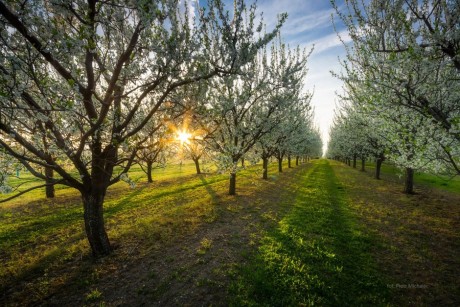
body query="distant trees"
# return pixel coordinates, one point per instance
(149, 154)
(402, 78)
(87, 77)
(244, 108)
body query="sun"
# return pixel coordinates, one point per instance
(183, 137)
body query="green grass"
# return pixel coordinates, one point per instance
(38, 235)
(317, 254)
(451, 184)
(316, 240)
(173, 170)
(418, 235)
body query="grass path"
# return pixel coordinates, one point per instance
(317, 255)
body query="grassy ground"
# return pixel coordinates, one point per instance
(421, 180)
(318, 234)
(419, 235)
(317, 255)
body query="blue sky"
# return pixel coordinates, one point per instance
(309, 23)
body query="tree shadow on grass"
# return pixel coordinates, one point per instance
(316, 256)
(215, 198)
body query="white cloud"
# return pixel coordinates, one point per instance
(331, 41)
(295, 26)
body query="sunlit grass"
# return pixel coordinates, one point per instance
(389, 171)
(333, 236)
(317, 255)
(39, 235)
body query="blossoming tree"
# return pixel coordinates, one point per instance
(88, 76)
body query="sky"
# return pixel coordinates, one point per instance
(309, 24)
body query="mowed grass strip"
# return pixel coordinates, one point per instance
(317, 255)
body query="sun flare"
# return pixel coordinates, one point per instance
(183, 137)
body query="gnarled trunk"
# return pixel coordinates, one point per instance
(94, 222)
(265, 166)
(280, 165)
(289, 161)
(409, 181)
(297, 161)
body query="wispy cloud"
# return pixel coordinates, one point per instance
(331, 41)
(309, 23)
(298, 25)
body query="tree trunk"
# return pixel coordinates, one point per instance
(197, 165)
(378, 167)
(289, 161)
(409, 181)
(354, 161)
(280, 165)
(94, 223)
(297, 161)
(49, 189)
(149, 172)
(363, 164)
(348, 162)
(242, 162)
(265, 166)
(232, 187)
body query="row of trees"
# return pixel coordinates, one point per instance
(402, 89)
(89, 88)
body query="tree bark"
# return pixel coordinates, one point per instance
(149, 172)
(280, 165)
(232, 187)
(378, 167)
(289, 161)
(265, 166)
(49, 190)
(354, 161)
(297, 161)
(94, 223)
(363, 164)
(409, 181)
(242, 162)
(197, 165)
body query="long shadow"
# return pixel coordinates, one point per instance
(316, 256)
(159, 193)
(45, 225)
(207, 185)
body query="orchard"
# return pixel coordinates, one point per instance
(168, 153)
